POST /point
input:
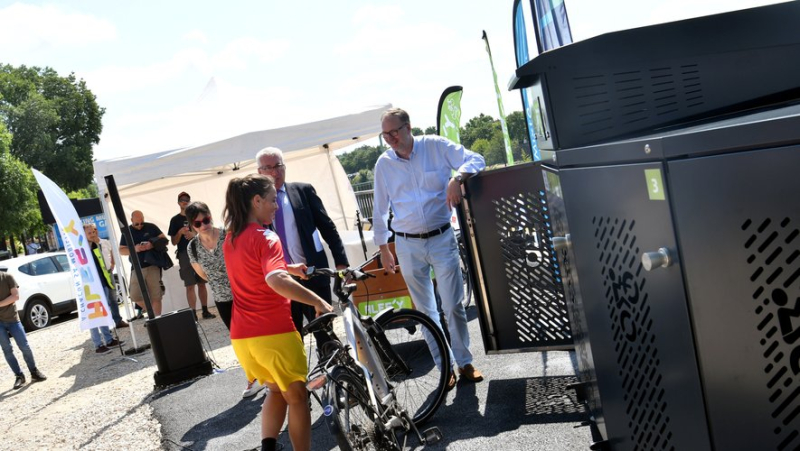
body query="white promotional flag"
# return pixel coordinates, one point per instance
(89, 294)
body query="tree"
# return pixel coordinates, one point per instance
(479, 127)
(430, 130)
(363, 157)
(54, 121)
(18, 204)
(416, 131)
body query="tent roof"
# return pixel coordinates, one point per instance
(330, 134)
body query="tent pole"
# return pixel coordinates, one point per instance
(101, 193)
(338, 194)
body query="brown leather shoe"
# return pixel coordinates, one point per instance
(451, 384)
(122, 325)
(470, 373)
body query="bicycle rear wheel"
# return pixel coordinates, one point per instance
(346, 406)
(421, 374)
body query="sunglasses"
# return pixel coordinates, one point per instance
(206, 221)
(137, 224)
(184, 199)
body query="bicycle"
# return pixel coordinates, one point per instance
(387, 378)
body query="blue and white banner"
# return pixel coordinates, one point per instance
(552, 24)
(89, 294)
(521, 51)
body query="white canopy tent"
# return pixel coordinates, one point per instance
(151, 183)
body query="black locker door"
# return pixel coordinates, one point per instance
(637, 320)
(518, 291)
(738, 218)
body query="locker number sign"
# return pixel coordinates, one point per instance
(655, 186)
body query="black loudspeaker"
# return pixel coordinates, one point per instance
(177, 349)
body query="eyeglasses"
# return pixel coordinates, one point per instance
(393, 133)
(184, 199)
(206, 221)
(271, 168)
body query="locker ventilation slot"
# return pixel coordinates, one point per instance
(636, 346)
(773, 249)
(540, 310)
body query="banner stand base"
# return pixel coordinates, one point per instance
(138, 350)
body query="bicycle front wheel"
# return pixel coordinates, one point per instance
(346, 406)
(418, 363)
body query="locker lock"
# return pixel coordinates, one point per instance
(562, 242)
(659, 259)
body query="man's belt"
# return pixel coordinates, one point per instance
(425, 235)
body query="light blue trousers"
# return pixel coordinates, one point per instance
(416, 256)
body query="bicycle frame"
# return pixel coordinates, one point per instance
(364, 359)
(367, 359)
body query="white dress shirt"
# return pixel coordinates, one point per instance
(416, 189)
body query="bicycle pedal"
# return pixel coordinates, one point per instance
(432, 435)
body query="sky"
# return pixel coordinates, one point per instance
(180, 73)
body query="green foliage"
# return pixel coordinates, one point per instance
(89, 192)
(364, 175)
(363, 157)
(18, 205)
(5, 139)
(430, 131)
(416, 131)
(54, 121)
(479, 127)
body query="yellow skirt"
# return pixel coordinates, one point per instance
(277, 359)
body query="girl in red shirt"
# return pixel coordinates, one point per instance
(262, 333)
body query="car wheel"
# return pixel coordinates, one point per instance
(37, 314)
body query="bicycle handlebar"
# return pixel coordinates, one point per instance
(342, 274)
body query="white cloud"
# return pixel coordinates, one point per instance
(195, 36)
(374, 13)
(238, 52)
(27, 28)
(223, 110)
(235, 55)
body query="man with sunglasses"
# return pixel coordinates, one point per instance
(181, 234)
(414, 179)
(299, 222)
(143, 235)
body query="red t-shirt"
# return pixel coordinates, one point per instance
(257, 309)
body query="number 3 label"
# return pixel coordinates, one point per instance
(655, 185)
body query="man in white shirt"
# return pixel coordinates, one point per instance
(414, 179)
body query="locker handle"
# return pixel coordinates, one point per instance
(658, 259)
(562, 242)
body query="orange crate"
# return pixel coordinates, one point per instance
(384, 291)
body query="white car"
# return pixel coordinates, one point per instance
(45, 287)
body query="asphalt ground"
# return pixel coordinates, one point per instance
(523, 404)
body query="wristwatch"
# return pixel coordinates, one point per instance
(459, 179)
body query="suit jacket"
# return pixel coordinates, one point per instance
(310, 215)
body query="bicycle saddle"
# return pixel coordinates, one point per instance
(319, 323)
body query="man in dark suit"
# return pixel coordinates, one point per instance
(300, 221)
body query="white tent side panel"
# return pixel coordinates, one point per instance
(152, 182)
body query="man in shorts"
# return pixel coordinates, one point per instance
(143, 234)
(180, 233)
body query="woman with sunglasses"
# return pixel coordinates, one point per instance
(262, 332)
(205, 255)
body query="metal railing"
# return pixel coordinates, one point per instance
(363, 186)
(364, 200)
